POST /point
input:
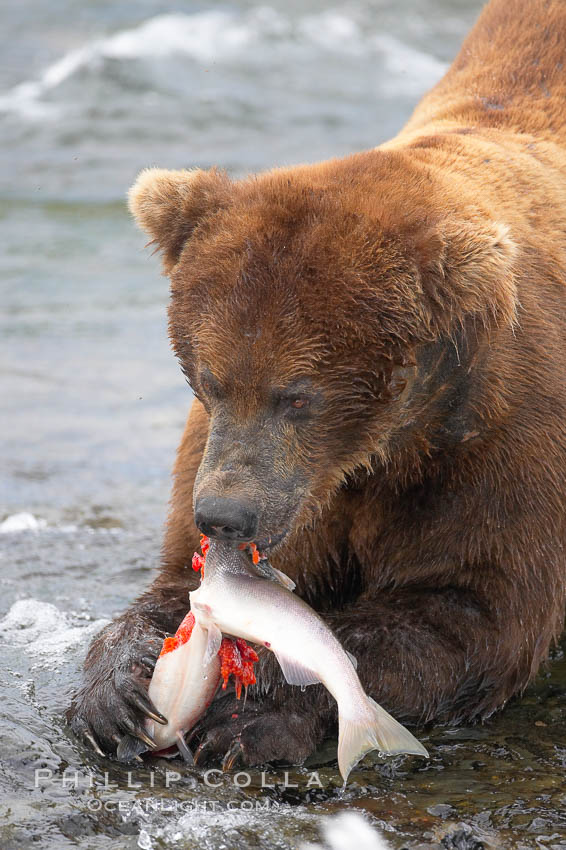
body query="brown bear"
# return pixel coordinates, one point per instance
(377, 346)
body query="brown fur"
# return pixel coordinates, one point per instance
(419, 289)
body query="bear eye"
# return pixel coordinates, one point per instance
(295, 406)
(294, 401)
(209, 386)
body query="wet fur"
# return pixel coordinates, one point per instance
(422, 287)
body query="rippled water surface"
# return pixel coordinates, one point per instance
(93, 405)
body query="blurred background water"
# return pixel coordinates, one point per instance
(92, 402)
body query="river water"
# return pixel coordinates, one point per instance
(92, 406)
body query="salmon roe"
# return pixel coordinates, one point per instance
(181, 636)
(254, 551)
(237, 659)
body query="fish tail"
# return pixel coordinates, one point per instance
(374, 729)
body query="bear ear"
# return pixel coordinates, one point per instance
(168, 205)
(467, 269)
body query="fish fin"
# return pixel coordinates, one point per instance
(375, 729)
(353, 659)
(283, 579)
(183, 748)
(263, 569)
(130, 747)
(213, 644)
(295, 673)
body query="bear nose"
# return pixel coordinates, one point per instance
(225, 519)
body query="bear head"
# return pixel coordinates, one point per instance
(310, 310)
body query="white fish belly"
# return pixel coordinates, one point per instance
(181, 689)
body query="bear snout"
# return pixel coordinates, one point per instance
(226, 519)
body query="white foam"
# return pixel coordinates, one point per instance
(22, 522)
(410, 69)
(144, 841)
(25, 521)
(205, 36)
(43, 630)
(333, 31)
(223, 35)
(347, 830)
(209, 827)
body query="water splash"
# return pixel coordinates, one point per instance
(347, 830)
(22, 521)
(41, 629)
(223, 36)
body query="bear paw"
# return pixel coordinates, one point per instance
(114, 699)
(253, 735)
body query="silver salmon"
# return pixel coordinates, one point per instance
(232, 601)
(181, 688)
